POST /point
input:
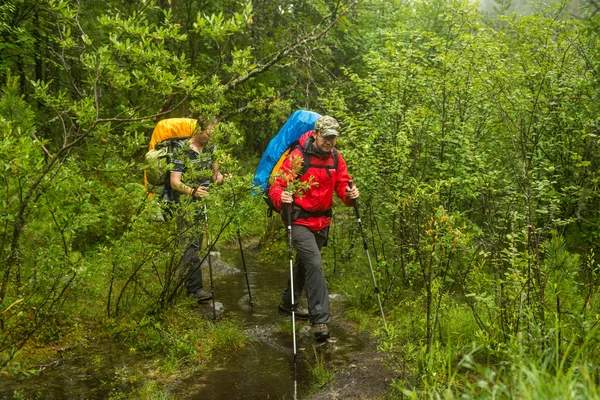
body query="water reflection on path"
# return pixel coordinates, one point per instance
(264, 369)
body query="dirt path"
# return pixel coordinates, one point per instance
(360, 371)
(263, 369)
(365, 376)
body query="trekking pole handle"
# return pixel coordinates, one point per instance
(360, 228)
(354, 201)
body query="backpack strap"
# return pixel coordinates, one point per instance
(171, 145)
(306, 165)
(308, 159)
(300, 213)
(297, 211)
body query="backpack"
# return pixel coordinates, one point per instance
(168, 135)
(158, 161)
(280, 147)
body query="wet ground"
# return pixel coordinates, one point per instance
(264, 369)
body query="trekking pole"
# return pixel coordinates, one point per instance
(295, 381)
(364, 239)
(289, 232)
(239, 238)
(210, 270)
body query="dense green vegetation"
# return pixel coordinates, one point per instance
(472, 135)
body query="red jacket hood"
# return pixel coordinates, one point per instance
(305, 137)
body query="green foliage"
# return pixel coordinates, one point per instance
(320, 374)
(470, 144)
(473, 141)
(181, 336)
(293, 185)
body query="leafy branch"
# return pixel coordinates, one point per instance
(293, 185)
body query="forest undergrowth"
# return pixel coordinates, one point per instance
(472, 134)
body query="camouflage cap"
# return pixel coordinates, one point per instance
(327, 126)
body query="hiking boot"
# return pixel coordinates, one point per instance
(299, 313)
(201, 295)
(321, 332)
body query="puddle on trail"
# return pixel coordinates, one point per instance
(81, 373)
(264, 369)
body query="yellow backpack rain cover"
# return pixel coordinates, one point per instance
(157, 159)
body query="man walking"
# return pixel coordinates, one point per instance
(189, 179)
(325, 174)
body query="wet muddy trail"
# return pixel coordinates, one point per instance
(264, 369)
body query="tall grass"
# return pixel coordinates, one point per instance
(523, 375)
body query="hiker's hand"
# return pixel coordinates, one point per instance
(201, 191)
(218, 178)
(352, 193)
(286, 197)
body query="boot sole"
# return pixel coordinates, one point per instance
(322, 337)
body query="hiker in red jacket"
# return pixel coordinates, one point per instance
(311, 216)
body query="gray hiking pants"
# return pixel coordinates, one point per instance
(191, 263)
(308, 273)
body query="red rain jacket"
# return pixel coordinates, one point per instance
(318, 197)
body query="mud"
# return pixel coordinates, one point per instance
(264, 369)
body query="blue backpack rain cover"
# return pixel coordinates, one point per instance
(298, 124)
